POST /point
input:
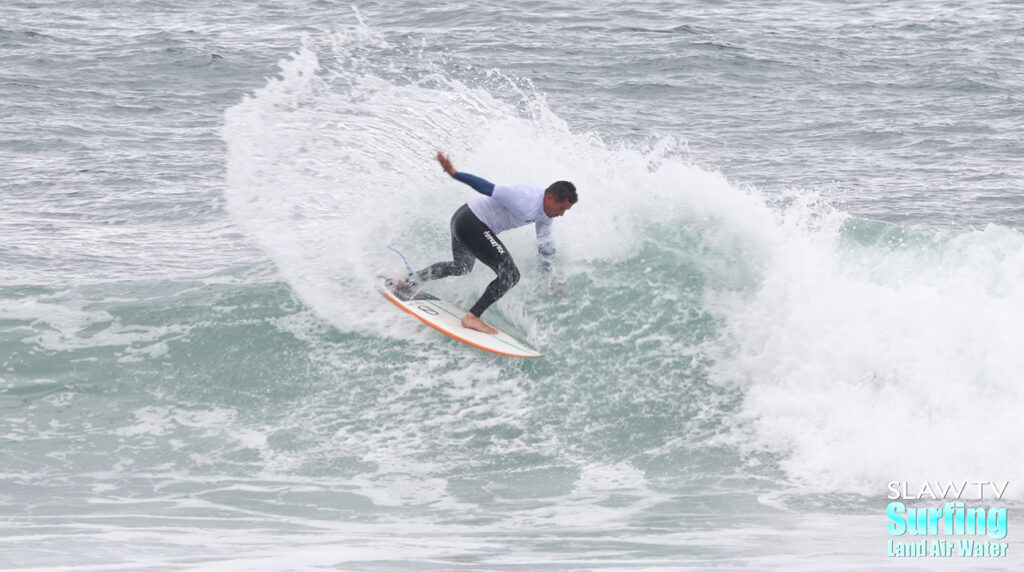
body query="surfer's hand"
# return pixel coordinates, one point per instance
(446, 163)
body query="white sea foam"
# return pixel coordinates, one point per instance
(869, 362)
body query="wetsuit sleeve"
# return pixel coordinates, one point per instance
(545, 246)
(482, 186)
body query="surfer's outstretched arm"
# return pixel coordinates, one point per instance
(482, 186)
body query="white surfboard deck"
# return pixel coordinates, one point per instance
(447, 319)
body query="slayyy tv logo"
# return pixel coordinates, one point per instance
(962, 519)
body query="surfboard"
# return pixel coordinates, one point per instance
(447, 319)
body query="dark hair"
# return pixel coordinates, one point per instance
(563, 191)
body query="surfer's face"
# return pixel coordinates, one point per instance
(554, 208)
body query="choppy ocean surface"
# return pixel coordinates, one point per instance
(795, 274)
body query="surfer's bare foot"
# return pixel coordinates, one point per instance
(475, 323)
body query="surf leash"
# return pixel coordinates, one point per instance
(392, 248)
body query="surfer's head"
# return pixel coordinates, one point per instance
(559, 197)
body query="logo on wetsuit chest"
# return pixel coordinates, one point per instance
(494, 242)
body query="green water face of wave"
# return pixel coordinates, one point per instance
(245, 380)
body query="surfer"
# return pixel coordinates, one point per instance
(476, 224)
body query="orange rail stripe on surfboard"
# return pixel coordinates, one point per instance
(468, 342)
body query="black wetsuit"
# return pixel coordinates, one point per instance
(472, 239)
